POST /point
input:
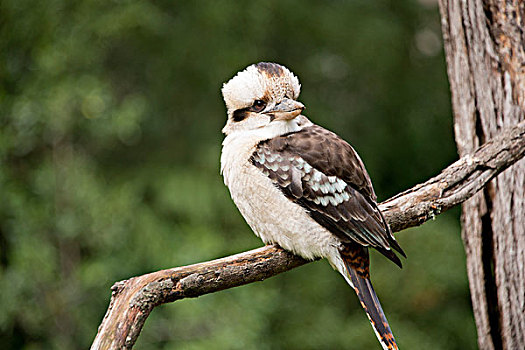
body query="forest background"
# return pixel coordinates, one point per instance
(110, 119)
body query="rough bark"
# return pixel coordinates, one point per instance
(132, 300)
(484, 46)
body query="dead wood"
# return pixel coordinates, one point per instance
(132, 300)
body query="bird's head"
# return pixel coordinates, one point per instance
(262, 94)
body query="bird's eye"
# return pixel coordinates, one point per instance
(258, 106)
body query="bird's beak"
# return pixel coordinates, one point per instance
(286, 110)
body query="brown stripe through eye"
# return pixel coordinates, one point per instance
(240, 114)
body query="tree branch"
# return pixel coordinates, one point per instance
(132, 300)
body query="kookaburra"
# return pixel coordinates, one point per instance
(301, 186)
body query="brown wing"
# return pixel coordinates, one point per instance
(329, 153)
(323, 173)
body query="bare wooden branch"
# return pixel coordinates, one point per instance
(456, 183)
(132, 300)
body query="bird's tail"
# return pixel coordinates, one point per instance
(359, 279)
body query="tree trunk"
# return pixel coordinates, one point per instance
(484, 46)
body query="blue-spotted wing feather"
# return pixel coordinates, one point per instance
(322, 173)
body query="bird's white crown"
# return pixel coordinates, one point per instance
(253, 93)
(260, 81)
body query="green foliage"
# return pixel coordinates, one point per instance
(110, 118)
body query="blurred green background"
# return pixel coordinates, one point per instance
(110, 118)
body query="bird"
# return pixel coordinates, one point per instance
(301, 186)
